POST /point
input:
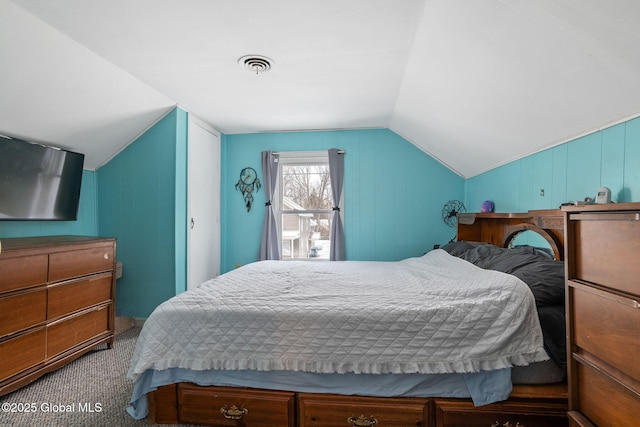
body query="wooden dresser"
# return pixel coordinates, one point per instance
(56, 303)
(603, 314)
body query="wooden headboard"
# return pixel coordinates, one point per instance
(500, 228)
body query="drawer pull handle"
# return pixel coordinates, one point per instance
(233, 413)
(361, 421)
(507, 424)
(106, 255)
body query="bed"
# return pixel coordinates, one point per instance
(429, 340)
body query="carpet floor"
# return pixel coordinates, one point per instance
(93, 390)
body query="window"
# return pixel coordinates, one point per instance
(304, 204)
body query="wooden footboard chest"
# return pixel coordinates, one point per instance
(56, 303)
(539, 405)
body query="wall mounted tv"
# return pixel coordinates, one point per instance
(38, 182)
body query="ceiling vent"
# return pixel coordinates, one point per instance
(255, 63)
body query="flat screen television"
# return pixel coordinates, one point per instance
(38, 182)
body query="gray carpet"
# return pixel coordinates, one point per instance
(95, 382)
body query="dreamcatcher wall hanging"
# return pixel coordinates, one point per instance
(247, 184)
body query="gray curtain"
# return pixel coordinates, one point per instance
(336, 174)
(269, 246)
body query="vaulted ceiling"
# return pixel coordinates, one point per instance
(474, 83)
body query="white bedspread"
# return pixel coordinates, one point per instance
(432, 314)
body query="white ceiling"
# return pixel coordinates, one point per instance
(474, 83)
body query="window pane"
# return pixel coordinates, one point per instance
(306, 187)
(306, 235)
(306, 208)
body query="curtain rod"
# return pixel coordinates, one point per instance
(339, 152)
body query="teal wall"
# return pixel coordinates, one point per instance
(568, 172)
(85, 225)
(142, 202)
(393, 193)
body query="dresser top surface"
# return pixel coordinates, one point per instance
(19, 243)
(630, 206)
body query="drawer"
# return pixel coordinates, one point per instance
(23, 272)
(228, 406)
(604, 401)
(601, 239)
(69, 332)
(607, 326)
(462, 413)
(22, 352)
(68, 297)
(81, 262)
(344, 411)
(23, 310)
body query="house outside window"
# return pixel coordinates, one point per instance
(304, 205)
